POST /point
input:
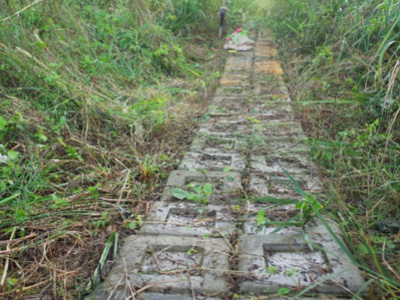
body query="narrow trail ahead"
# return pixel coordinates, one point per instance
(188, 250)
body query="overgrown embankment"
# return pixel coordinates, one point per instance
(341, 60)
(96, 102)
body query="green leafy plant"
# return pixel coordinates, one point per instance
(307, 208)
(197, 193)
(134, 224)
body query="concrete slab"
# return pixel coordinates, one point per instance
(266, 78)
(239, 68)
(282, 128)
(283, 147)
(225, 105)
(232, 91)
(223, 127)
(274, 145)
(279, 98)
(235, 76)
(219, 121)
(216, 144)
(278, 128)
(275, 261)
(269, 70)
(212, 161)
(187, 219)
(267, 64)
(270, 89)
(262, 56)
(276, 164)
(227, 186)
(271, 108)
(281, 187)
(155, 296)
(316, 296)
(123, 295)
(281, 213)
(220, 110)
(234, 82)
(170, 264)
(232, 60)
(270, 115)
(242, 54)
(264, 51)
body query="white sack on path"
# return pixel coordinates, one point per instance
(238, 41)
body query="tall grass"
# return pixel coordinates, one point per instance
(96, 98)
(341, 59)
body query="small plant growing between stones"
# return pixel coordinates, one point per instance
(307, 208)
(135, 222)
(197, 193)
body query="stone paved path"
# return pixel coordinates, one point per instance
(188, 250)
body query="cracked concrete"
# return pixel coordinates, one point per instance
(246, 147)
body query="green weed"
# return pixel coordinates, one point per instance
(196, 193)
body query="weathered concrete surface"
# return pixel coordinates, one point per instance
(249, 142)
(166, 264)
(275, 261)
(227, 186)
(212, 161)
(187, 219)
(280, 214)
(216, 144)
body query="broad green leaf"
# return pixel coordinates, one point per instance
(272, 270)
(12, 155)
(180, 194)
(283, 291)
(63, 120)
(207, 189)
(3, 123)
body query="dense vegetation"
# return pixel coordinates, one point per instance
(341, 62)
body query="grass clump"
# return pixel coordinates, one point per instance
(96, 100)
(341, 62)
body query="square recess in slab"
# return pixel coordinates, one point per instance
(273, 213)
(191, 216)
(223, 127)
(226, 186)
(270, 115)
(278, 98)
(276, 146)
(239, 60)
(275, 164)
(215, 144)
(188, 219)
(287, 261)
(281, 213)
(172, 264)
(279, 129)
(231, 91)
(282, 187)
(269, 108)
(270, 89)
(222, 106)
(212, 161)
(298, 259)
(159, 258)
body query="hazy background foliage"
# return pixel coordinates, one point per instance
(341, 63)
